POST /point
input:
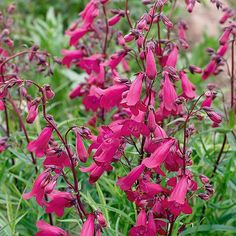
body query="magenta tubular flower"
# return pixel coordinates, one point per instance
(187, 87)
(116, 58)
(95, 171)
(76, 92)
(132, 127)
(46, 229)
(169, 94)
(209, 70)
(59, 201)
(182, 27)
(140, 227)
(172, 57)
(39, 145)
(44, 183)
(125, 183)
(151, 225)
(2, 106)
(112, 96)
(159, 155)
(180, 190)
(151, 69)
(3, 144)
(32, 110)
(80, 148)
(76, 35)
(222, 50)
(58, 160)
(88, 227)
(134, 93)
(225, 36)
(71, 56)
(114, 20)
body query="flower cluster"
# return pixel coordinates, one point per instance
(160, 181)
(147, 108)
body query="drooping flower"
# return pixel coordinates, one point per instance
(209, 70)
(71, 56)
(187, 87)
(57, 159)
(169, 94)
(180, 190)
(46, 229)
(80, 148)
(44, 184)
(151, 69)
(88, 227)
(32, 110)
(159, 155)
(96, 171)
(39, 145)
(172, 57)
(125, 183)
(59, 201)
(134, 93)
(112, 96)
(132, 127)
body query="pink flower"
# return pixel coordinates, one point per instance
(180, 190)
(225, 36)
(210, 69)
(3, 144)
(88, 227)
(70, 56)
(96, 171)
(2, 106)
(112, 96)
(187, 87)
(80, 148)
(76, 92)
(172, 57)
(140, 227)
(151, 69)
(222, 50)
(59, 201)
(46, 229)
(32, 110)
(182, 27)
(91, 64)
(107, 150)
(169, 94)
(58, 159)
(132, 127)
(159, 155)
(116, 58)
(125, 183)
(114, 20)
(151, 225)
(134, 93)
(39, 145)
(76, 35)
(43, 184)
